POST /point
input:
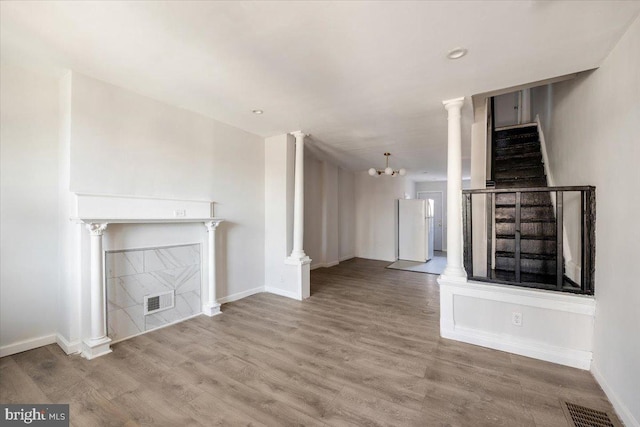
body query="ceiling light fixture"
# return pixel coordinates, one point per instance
(387, 170)
(257, 111)
(457, 53)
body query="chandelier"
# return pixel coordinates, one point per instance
(387, 170)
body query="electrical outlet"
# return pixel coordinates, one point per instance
(516, 318)
(179, 213)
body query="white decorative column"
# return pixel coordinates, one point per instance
(98, 342)
(298, 258)
(454, 270)
(211, 307)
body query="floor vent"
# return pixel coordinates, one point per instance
(159, 302)
(581, 416)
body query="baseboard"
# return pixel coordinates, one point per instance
(563, 356)
(282, 293)
(68, 347)
(239, 295)
(324, 265)
(346, 257)
(175, 322)
(622, 410)
(19, 347)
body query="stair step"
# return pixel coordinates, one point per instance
(527, 214)
(519, 157)
(512, 237)
(521, 183)
(510, 276)
(516, 141)
(527, 265)
(527, 246)
(520, 172)
(526, 255)
(527, 229)
(526, 199)
(516, 131)
(528, 147)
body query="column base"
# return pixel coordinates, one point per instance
(211, 310)
(95, 348)
(454, 275)
(301, 273)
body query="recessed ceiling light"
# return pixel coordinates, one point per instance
(457, 53)
(257, 111)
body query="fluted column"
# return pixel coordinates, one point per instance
(454, 270)
(212, 307)
(98, 342)
(298, 199)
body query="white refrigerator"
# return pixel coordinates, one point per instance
(415, 230)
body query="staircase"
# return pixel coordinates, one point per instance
(518, 164)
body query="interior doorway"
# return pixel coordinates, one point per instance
(436, 196)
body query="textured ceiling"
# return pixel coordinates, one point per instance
(361, 77)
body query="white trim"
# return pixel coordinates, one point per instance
(147, 248)
(575, 358)
(240, 295)
(282, 293)
(30, 344)
(522, 125)
(68, 347)
(346, 257)
(539, 298)
(130, 196)
(324, 264)
(622, 410)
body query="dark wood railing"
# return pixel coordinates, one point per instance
(584, 284)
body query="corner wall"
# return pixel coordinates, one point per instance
(28, 208)
(593, 139)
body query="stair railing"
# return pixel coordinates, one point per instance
(561, 282)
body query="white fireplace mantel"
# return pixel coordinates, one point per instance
(96, 212)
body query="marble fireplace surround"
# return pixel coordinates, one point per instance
(97, 211)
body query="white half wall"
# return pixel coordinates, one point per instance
(28, 208)
(482, 314)
(593, 139)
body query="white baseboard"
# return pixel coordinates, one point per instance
(346, 257)
(563, 356)
(240, 295)
(282, 293)
(68, 347)
(30, 344)
(622, 410)
(175, 322)
(324, 265)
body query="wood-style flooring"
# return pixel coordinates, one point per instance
(363, 350)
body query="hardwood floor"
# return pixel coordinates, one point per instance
(363, 350)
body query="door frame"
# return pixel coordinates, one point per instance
(441, 212)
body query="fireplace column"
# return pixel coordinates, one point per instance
(98, 342)
(211, 307)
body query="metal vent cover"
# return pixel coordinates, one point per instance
(581, 416)
(158, 302)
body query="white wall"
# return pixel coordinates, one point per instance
(28, 206)
(314, 201)
(346, 214)
(376, 229)
(125, 143)
(593, 139)
(440, 186)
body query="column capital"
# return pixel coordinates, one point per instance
(96, 229)
(213, 224)
(453, 103)
(299, 134)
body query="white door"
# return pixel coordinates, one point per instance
(505, 109)
(412, 230)
(437, 203)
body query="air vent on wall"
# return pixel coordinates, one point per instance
(159, 302)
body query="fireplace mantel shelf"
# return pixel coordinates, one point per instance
(142, 220)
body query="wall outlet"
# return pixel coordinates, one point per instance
(179, 213)
(516, 318)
